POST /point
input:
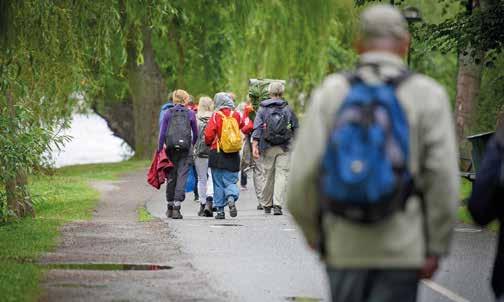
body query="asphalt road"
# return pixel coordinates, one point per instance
(259, 257)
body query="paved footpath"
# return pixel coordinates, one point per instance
(115, 236)
(258, 257)
(254, 257)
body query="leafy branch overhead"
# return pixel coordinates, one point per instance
(484, 29)
(477, 23)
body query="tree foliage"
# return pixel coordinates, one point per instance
(44, 57)
(205, 48)
(470, 27)
(51, 49)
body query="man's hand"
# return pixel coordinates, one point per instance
(255, 150)
(430, 267)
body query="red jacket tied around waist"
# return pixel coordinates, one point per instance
(159, 169)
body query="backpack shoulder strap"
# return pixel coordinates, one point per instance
(402, 77)
(351, 77)
(354, 77)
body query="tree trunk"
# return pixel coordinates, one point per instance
(12, 201)
(468, 89)
(25, 203)
(176, 36)
(119, 118)
(468, 84)
(148, 91)
(500, 118)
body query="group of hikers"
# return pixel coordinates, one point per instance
(372, 180)
(209, 138)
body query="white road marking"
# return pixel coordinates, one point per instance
(444, 291)
(288, 230)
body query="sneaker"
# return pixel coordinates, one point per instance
(208, 208)
(260, 207)
(267, 210)
(169, 211)
(233, 212)
(220, 215)
(201, 211)
(277, 210)
(196, 197)
(176, 213)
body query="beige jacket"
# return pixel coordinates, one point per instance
(400, 241)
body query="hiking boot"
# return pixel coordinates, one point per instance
(233, 212)
(208, 209)
(169, 211)
(267, 210)
(176, 213)
(277, 210)
(201, 211)
(260, 207)
(220, 215)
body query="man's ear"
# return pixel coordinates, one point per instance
(359, 46)
(404, 46)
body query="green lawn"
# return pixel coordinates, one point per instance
(462, 213)
(465, 191)
(60, 198)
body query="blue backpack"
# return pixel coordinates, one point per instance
(364, 176)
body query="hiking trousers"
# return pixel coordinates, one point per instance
(275, 164)
(246, 160)
(177, 177)
(259, 181)
(205, 185)
(225, 186)
(373, 285)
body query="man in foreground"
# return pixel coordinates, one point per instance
(374, 178)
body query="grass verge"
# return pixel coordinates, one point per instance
(63, 197)
(144, 215)
(463, 214)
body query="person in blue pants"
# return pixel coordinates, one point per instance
(225, 166)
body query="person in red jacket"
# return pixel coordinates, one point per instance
(245, 109)
(225, 166)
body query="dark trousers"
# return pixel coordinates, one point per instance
(175, 186)
(361, 285)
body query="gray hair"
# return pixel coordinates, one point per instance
(223, 100)
(383, 21)
(276, 88)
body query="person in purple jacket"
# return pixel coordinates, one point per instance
(179, 132)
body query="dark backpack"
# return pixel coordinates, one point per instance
(278, 126)
(365, 177)
(201, 149)
(178, 136)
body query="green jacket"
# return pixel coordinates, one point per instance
(399, 241)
